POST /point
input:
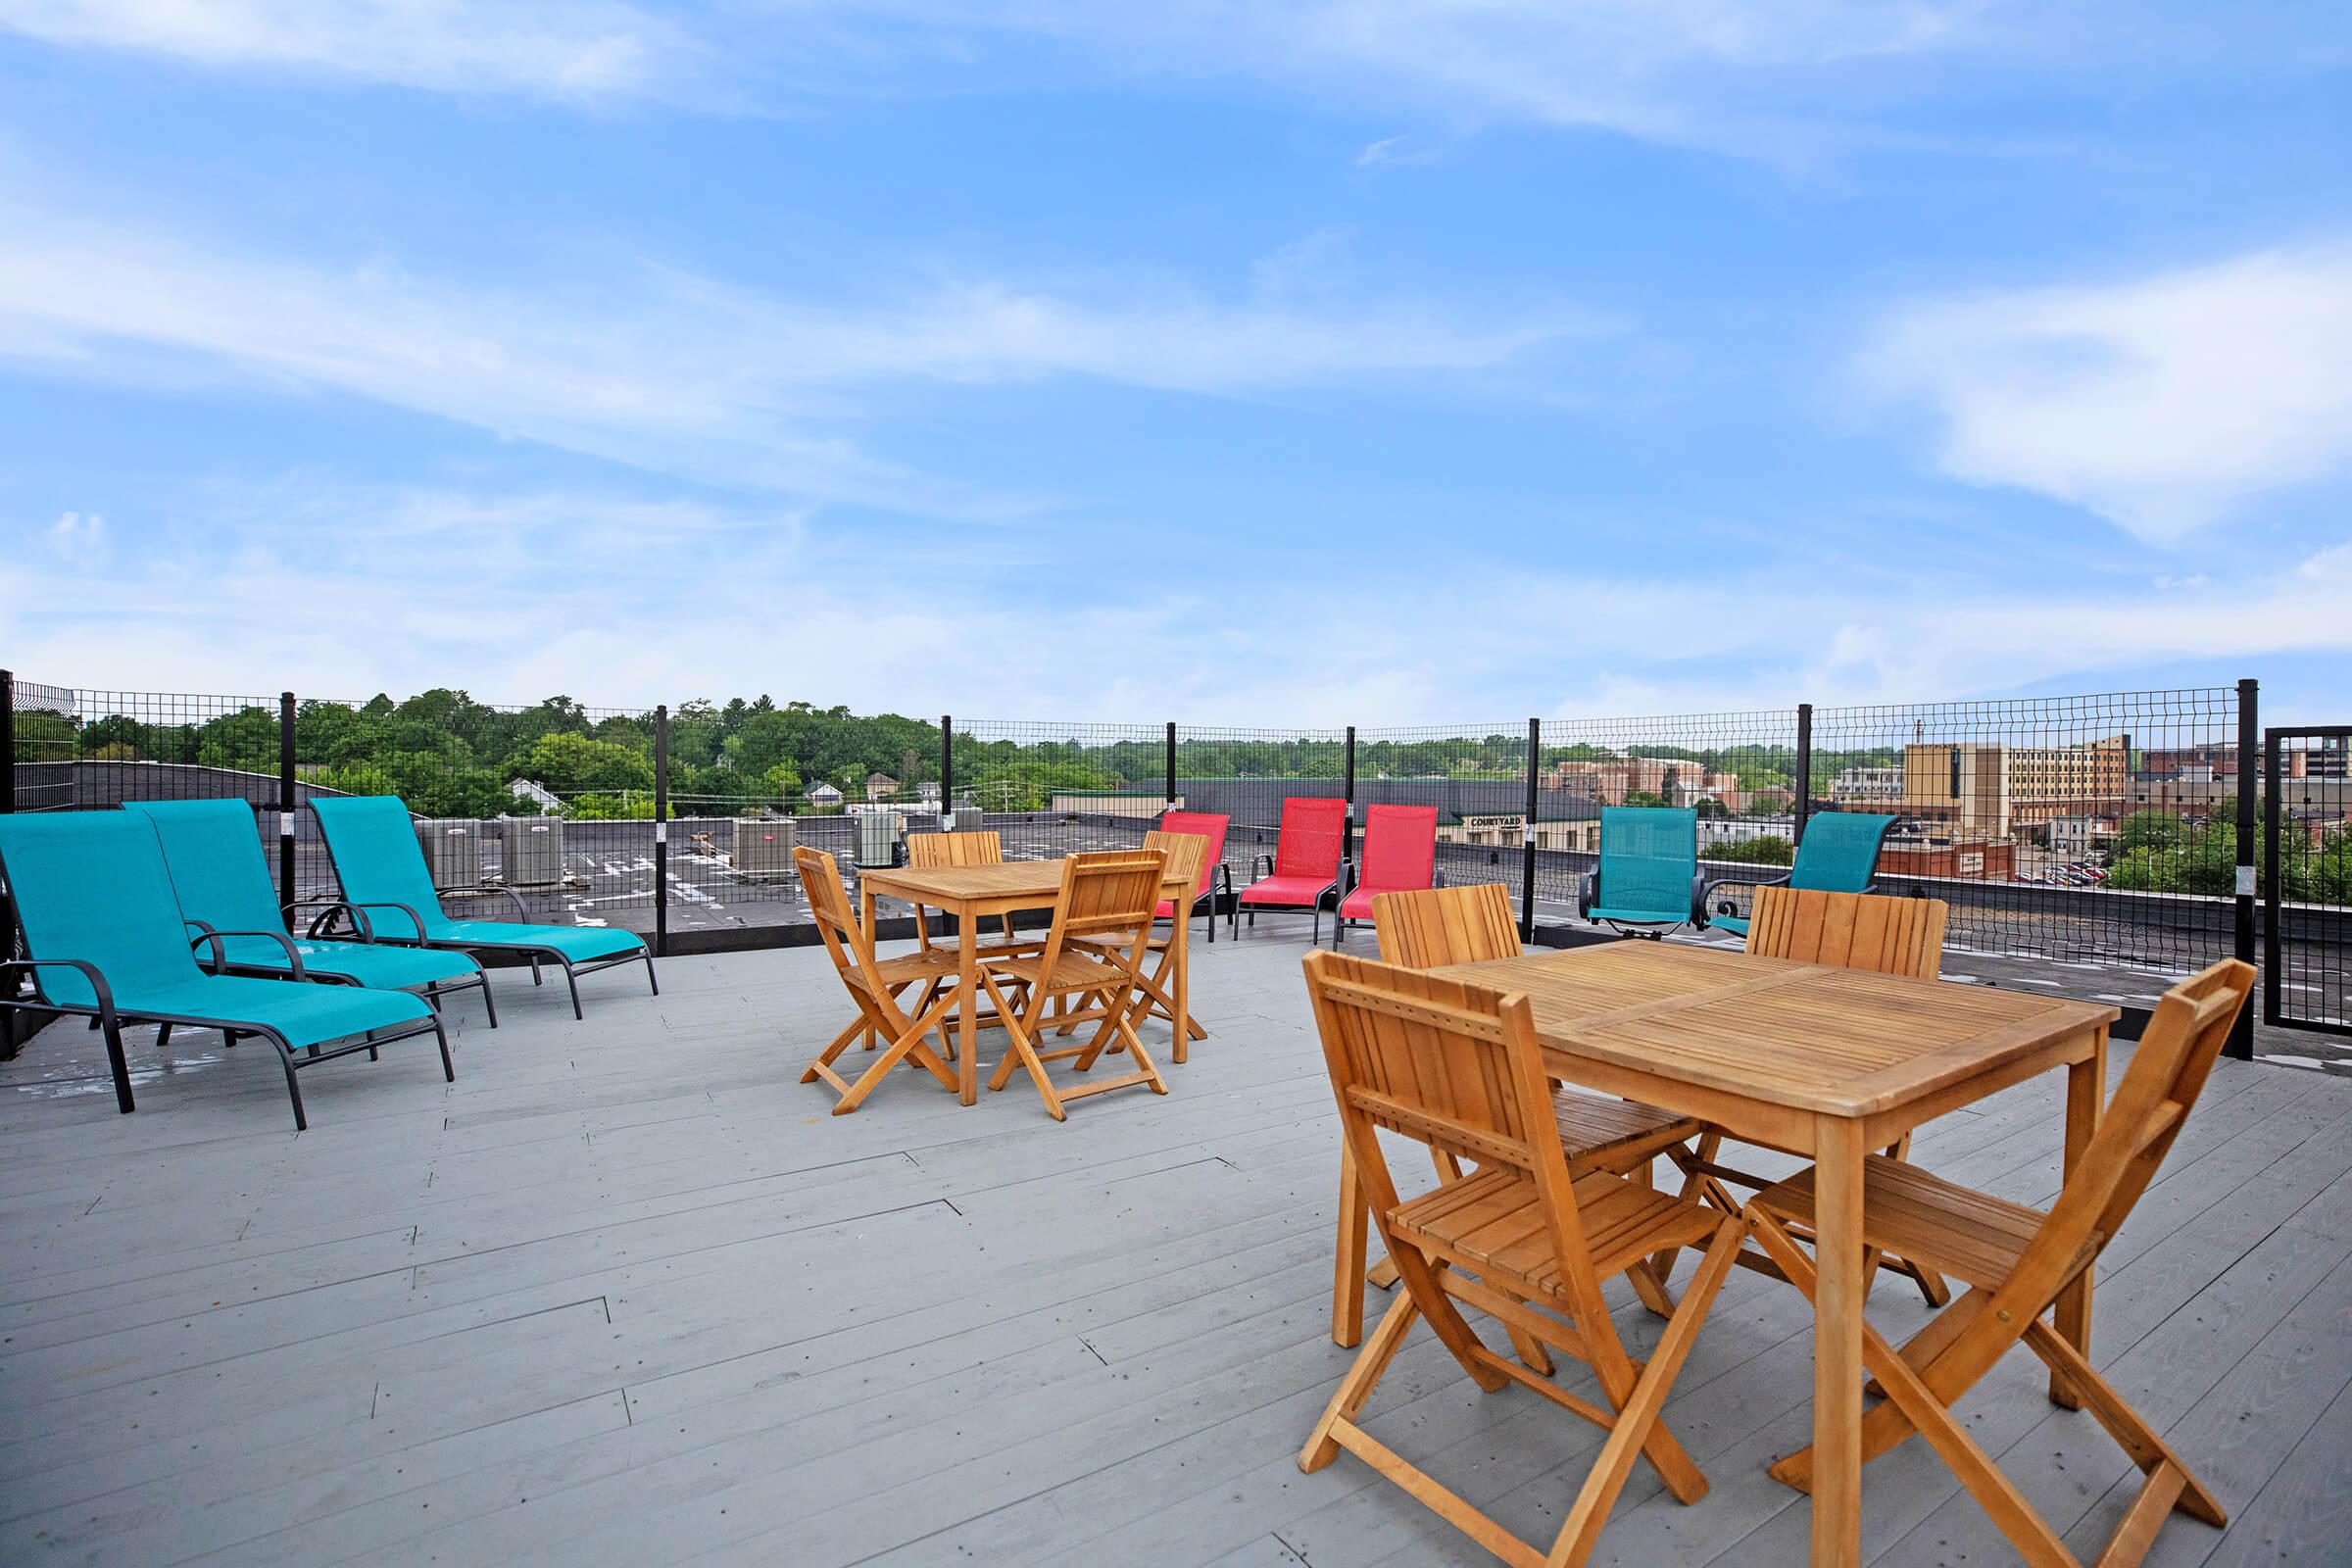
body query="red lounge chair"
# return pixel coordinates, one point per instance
(1401, 856)
(1215, 875)
(1305, 865)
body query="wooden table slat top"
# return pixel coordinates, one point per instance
(1836, 1042)
(950, 884)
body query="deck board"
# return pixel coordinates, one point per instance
(626, 1292)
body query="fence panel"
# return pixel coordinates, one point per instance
(2307, 879)
(1246, 774)
(43, 724)
(1473, 774)
(2095, 830)
(1737, 770)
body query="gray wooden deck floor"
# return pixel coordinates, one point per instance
(626, 1294)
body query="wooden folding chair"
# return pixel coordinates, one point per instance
(1867, 931)
(1168, 987)
(1422, 930)
(1111, 896)
(1458, 1067)
(2016, 1261)
(875, 985)
(928, 851)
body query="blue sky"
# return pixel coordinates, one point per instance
(1377, 361)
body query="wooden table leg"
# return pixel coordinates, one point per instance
(967, 1008)
(2085, 1092)
(1178, 943)
(865, 917)
(1837, 1344)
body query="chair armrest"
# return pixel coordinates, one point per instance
(410, 910)
(1255, 875)
(89, 972)
(359, 919)
(1588, 894)
(1437, 876)
(1712, 883)
(1699, 902)
(1349, 875)
(220, 950)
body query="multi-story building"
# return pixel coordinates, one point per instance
(1608, 780)
(1993, 788)
(1860, 788)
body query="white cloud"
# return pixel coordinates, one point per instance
(78, 539)
(2160, 402)
(622, 599)
(672, 373)
(579, 50)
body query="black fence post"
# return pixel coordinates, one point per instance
(2249, 739)
(947, 767)
(2271, 881)
(1527, 851)
(1169, 795)
(1804, 768)
(662, 830)
(1348, 792)
(8, 741)
(287, 804)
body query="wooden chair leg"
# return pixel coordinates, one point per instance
(1021, 1050)
(1348, 1399)
(822, 1065)
(2126, 1425)
(1710, 1144)
(1638, 1413)
(1348, 1264)
(909, 1043)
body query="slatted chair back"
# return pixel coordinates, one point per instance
(1186, 856)
(1849, 930)
(1111, 896)
(1839, 851)
(1314, 831)
(1446, 925)
(1454, 1066)
(1210, 828)
(850, 945)
(930, 850)
(2168, 1072)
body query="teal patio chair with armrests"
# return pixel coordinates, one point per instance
(1839, 854)
(1647, 879)
(102, 930)
(215, 858)
(381, 868)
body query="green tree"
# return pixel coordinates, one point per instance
(570, 764)
(1767, 848)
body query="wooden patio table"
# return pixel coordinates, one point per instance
(971, 894)
(1829, 1064)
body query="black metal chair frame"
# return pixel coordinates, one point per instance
(321, 930)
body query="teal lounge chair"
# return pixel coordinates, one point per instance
(102, 924)
(381, 866)
(1647, 879)
(1839, 854)
(214, 857)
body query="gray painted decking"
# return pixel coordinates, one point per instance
(626, 1294)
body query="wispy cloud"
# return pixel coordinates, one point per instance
(2161, 403)
(580, 50)
(517, 595)
(679, 373)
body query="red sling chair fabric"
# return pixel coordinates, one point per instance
(1401, 856)
(1307, 856)
(1209, 825)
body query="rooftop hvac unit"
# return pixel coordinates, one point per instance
(877, 839)
(968, 819)
(453, 851)
(764, 846)
(534, 854)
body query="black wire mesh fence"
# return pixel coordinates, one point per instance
(1246, 774)
(1739, 772)
(2306, 878)
(2016, 812)
(1475, 777)
(2092, 832)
